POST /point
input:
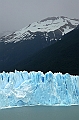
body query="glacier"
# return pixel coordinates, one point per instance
(21, 88)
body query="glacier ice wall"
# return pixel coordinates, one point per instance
(35, 88)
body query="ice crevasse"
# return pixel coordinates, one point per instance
(21, 88)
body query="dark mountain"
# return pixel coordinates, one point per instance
(12, 53)
(20, 45)
(63, 56)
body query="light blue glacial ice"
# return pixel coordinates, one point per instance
(35, 88)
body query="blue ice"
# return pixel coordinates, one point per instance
(21, 88)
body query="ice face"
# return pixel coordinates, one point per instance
(35, 88)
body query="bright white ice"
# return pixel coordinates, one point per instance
(35, 88)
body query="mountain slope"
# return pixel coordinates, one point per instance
(63, 56)
(20, 45)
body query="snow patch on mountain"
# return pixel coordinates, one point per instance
(62, 24)
(49, 25)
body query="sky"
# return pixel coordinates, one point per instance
(16, 14)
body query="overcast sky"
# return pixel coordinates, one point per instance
(16, 14)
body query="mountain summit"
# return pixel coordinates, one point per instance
(51, 28)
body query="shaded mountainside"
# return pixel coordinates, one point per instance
(20, 45)
(63, 56)
(12, 53)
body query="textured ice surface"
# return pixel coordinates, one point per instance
(35, 88)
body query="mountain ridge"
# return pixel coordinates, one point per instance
(51, 28)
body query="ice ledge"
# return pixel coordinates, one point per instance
(21, 88)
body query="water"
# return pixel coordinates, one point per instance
(41, 113)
